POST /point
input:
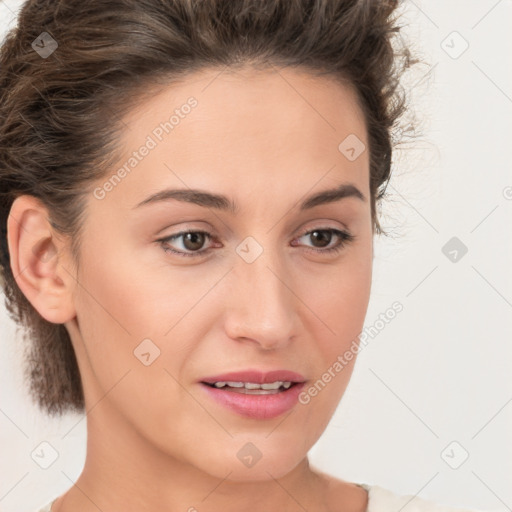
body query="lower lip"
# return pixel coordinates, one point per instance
(260, 407)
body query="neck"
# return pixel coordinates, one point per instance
(124, 471)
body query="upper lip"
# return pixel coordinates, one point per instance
(256, 376)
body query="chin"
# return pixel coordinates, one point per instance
(273, 468)
(251, 461)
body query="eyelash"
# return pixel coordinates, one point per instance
(344, 236)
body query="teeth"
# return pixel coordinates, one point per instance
(235, 384)
(252, 385)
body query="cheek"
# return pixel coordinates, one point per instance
(135, 297)
(338, 296)
(124, 301)
(339, 299)
(123, 317)
(339, 304)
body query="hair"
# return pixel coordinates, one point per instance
(61, 115)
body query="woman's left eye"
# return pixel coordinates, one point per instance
(193, 240)
(344, 238)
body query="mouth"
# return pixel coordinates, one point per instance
(252, 379)
(252, 388)
(255, 394)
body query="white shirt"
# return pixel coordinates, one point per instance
(384, 500)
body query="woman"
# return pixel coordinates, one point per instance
(188, 203)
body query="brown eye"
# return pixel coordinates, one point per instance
(192, 241)
(320, 236)
(323, 240)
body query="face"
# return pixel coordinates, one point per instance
(173, 292)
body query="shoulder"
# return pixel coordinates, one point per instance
(362, 497)
(384, 500)
(354, 497)
(46, 508)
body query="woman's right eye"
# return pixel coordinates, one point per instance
(193, 241)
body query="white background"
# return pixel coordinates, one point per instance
(440, 371)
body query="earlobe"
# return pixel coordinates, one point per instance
(37, 259)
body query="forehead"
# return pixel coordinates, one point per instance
(291, 104)
(256, 127)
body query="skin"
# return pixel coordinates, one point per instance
(266, 139)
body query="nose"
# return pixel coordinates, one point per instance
(261, 305)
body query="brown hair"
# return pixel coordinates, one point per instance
(60, 114)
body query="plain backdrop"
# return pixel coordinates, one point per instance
(428, 411)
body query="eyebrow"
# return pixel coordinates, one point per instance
(221, 202)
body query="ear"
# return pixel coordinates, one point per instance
(40, 260)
